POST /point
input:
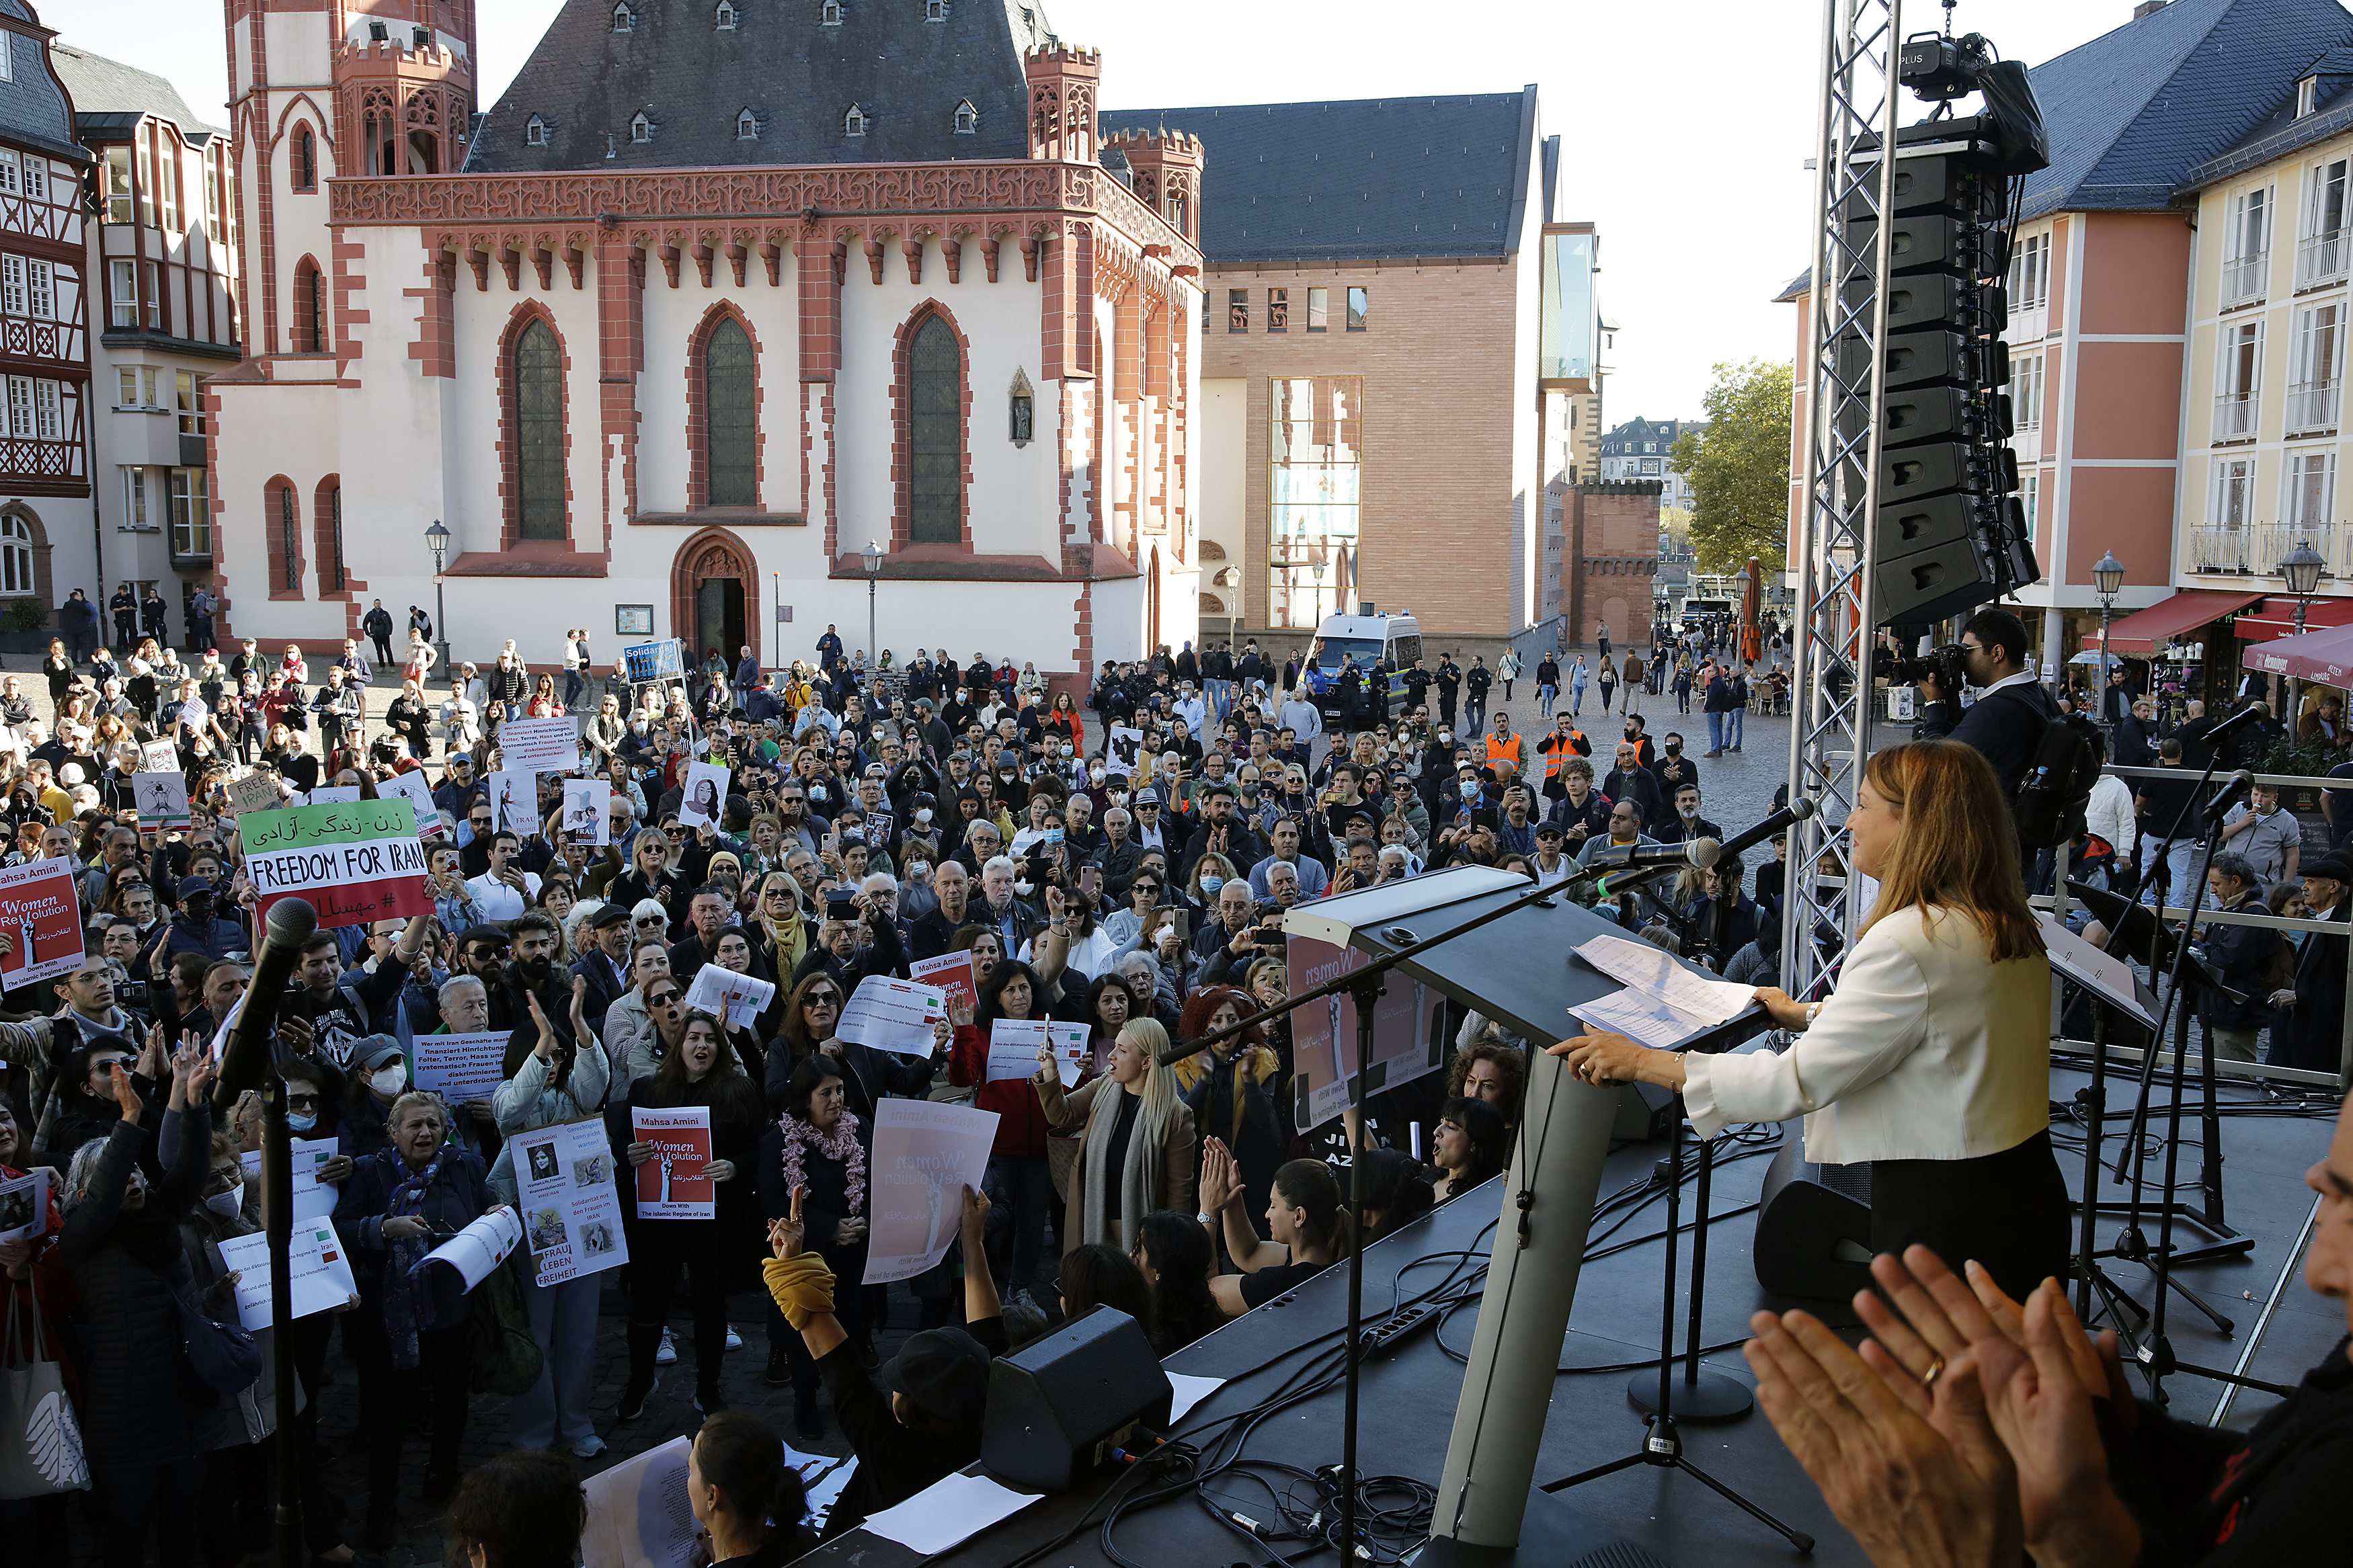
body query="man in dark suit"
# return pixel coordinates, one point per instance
(604, 960)
(2312, 1036)
(2006, 722)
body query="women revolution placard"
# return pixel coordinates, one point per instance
(571, 1210)
(671, 1185)
(355, 861)
(40, 916)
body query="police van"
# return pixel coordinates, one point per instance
(1370, 638)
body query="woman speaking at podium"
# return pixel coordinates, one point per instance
(1931, 1059)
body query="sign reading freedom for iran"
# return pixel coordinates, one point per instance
(355, 861)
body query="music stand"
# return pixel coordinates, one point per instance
(1485, 1494)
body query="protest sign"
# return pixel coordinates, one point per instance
(319, 1275)
(332, 794)
(1013, 1048)
(647, 662)
(312, 1201)
(254, 792)
(1122, 751)
(515, 802)
(413, 788)
(355, 863)
(951, 972)
(925, 1155)
(638, 1513)
(1323, 1033)
(705, 791)
(724, 993)
(671, 1185)
(158, 757)
(571, 1212)
(23, 1206)
(161, 799)
(539, 745)
(482, 1247)
(458, 1067)
(894, 1016)
(585, 804)
(41, 915)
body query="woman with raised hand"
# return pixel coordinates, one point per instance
(1136, 1154)
(1308, 1223)
(819, 1147)
(1174, 1253)
(1932, 1058)
(397, 1205)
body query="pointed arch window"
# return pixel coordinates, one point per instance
(854, 122)
(310, 310)
(748, 126)
(538, 381)
(534, 132)
(641, 129)
(730, 423)
(967, 119)
(935, 434)
(306, 159)
(624, 20)
(289, 540)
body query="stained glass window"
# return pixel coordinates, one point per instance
(539, 432)
(935, 435)
(728, 420)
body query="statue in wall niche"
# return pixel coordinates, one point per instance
(1024, 398)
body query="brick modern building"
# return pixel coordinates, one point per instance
(1394, 330)
(713, 296)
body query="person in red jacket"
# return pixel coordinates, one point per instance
(1019, 1180)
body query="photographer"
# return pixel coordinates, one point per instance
(2008, 732)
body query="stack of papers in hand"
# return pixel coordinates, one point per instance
(1663, 1002)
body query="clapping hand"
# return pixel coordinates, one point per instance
(1218, 1181)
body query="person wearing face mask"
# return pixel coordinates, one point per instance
(378, 1076)
(1674, 769)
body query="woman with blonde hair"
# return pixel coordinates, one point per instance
(1136, 1154)
(1932, 1058)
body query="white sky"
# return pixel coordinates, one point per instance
(1685, 126)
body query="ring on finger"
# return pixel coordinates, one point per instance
(1935, 1370)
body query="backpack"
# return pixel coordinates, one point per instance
(2049, 807)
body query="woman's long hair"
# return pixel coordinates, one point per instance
(733, 1092)
(1491, 1139)
(1957, 848)
(1308, 1184)
(794, 1028)
(1158, 1088)
(1203, 1004)
(1177, 1249)
(991, 991)
(743, 1456)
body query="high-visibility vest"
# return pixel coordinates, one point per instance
(1503, 746)
(1560, 754)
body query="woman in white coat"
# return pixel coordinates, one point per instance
(1932, 1058)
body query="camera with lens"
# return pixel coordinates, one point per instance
(1947, 666)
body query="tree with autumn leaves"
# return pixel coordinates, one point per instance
(1739, 467)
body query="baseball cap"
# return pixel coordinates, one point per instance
(1550, 830)
(191, 886)
(372, 1051)
(611, 912)
(944, 1371)
(465, 757)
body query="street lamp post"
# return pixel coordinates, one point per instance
(1315, 570)
(2302, 569)
(873, 556)
(2107, 581)
(436, 540)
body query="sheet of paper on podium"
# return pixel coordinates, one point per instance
(2111, 978)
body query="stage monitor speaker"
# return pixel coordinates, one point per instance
(1058, 1405)
(1646, 1114)
(1813, 1224)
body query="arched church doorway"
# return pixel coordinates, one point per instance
(715, 598)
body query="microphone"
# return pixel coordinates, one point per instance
(2246, 715)
(1699, 853)
(244, 1057)
(2238, 784)
(1796, 810)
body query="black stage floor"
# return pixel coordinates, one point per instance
(1408, 1398)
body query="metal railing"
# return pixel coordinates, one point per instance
(2235, 413)
(2223, 550)
(2312, 405)
(2243, 277)
(2321, 258)
(2275, 541)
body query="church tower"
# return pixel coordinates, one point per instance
(397, 98)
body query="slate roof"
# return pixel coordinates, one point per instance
(33, 108)
(1387, 178)
(110, 96)
(1626, 439)
(2282, 132)
(799, 78)
(2133, 110)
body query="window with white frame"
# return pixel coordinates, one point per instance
(748, 126)
(2030, 273)
(534, 132)
(2247, 247)
(153, 272)
(2321, 251)
(641, 129)
(210, 174)
(192, 518)
(935, 10)
(48, 420)
(622, 21)
(41, 291)
(147, 387)
(2238, 380)
(2026, 391)
(134, 497)
(7, 56)
(2316, 377)
(2307, 95)
(20, 407)
(2033, 501)
(724, 19)
(967, 119)
(37, 179)
(2235, 495)
(167, 182)
(854, 122)
(12, 285)
(11, 173)
(16, 549)
(2308, 491)
(829, 14)
(126, 384)
(122, 310)
(192, 404)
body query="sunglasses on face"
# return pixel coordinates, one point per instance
(822, 999)
(666, 999)
(301, 1102)
(650, 919)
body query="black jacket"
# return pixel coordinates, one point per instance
(2243, 954)
(2005, 726)
(459, 1196)
(2313, 1037)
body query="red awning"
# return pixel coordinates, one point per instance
(2145, 631)
(2275, 617)
(2325, 656)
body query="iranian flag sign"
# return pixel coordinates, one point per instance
(355, 861)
